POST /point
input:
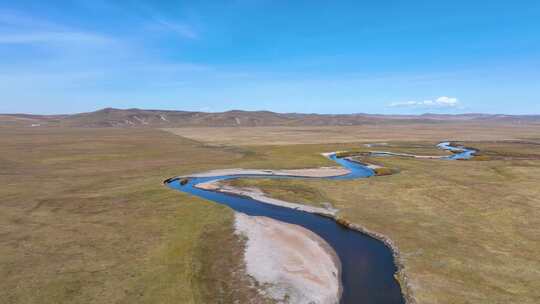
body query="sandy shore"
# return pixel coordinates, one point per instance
(311, 172)
(258, 195)
(409, 155)
(307, 172)
(290, 263)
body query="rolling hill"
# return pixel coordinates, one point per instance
(111, 117)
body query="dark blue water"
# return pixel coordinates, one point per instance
(367, 264)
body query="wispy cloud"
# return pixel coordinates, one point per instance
(32, 37)
(20, 29)
(183, 30)
(438, 103)
(173, 67)
(156, 20)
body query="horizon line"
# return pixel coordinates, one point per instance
(270, 111)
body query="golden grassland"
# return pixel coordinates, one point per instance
(364, 133)
(84, 216)
(468, 231)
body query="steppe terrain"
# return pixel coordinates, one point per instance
(85, 217)
(467, 230)
(367, 133)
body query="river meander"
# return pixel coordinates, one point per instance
(368, 266)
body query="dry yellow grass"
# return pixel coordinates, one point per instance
(366, 133)
(468, 231)
(84, 218)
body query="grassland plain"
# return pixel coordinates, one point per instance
(363, 133)
(468, 231)
(84, 218)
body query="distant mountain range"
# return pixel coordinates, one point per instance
(111, 117)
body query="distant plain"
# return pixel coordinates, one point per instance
(363, 133)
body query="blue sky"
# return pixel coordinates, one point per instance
(286, 56)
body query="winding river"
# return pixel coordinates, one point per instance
(368, 266)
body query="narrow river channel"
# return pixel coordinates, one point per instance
(368, 266)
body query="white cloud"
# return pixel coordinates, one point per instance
(440, 102)
(447, 101)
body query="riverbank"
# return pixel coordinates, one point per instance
(309, 172)
(332, 213)
(210, 182)
(290, 263)
(386, 153)
(260, 196)
(217, 185)
(448, 259)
